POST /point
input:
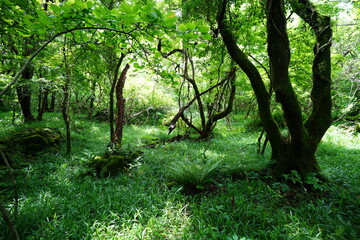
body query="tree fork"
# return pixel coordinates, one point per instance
(320, 118)
(181, 110)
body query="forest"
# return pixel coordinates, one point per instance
(180, 119)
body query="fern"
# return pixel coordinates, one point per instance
(193, 173)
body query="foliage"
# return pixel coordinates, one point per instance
(194, 174)
(55, 202)
(145, 201)
(147, 101)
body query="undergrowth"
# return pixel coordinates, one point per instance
(233, 200)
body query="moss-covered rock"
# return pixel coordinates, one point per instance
(37, 139)
(113, 162)
(21, 144)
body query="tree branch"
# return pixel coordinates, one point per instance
(320, 118)
(16, 77)
(262, 95)
(181, 110)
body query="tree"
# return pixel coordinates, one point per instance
(346, 71)
(203, 76)
(22, 45)
(297, 150)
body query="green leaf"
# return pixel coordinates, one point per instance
(182, 27)
(158, 54)
(130, 19)
(138, 66)
(190, 25)
(115, 12)
(191, 36)
(202, 45)
(126, 8)
(70, 2)
(158, 13)
(206, 36)
(55, 8)
(150, 38)
(171, 15)
(203, 29)
(89, 4)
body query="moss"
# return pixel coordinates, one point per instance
(21, 144)
(113, 163)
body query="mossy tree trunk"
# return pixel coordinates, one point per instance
(296, 151)
(23, 89)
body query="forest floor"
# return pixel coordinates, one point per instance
(181, 190)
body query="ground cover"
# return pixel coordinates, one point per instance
(155, 199)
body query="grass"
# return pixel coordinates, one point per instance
(58, 202)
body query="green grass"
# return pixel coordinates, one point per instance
(147, 202)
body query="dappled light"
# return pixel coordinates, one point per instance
(179, 119)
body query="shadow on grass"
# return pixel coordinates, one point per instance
(56, 204)
(258, 208)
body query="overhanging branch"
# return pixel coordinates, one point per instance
(16, 77)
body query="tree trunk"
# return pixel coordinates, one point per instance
(214, 117)
(320, 119)
(191, 80)
(261, 93)
(24, 94)
(52, 103)
(120, 104)
(65, 104)
(206, 130)
(113, 85)
(8, 221)
(296, 151)
(297, 155)
(43, 103)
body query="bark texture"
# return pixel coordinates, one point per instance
(120, 104)
(112, 91)
(261, 93)
(320, 118)
(296, 151)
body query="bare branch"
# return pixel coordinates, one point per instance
(181, 110)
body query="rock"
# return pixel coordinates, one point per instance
(24, 143)
(112, 163)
